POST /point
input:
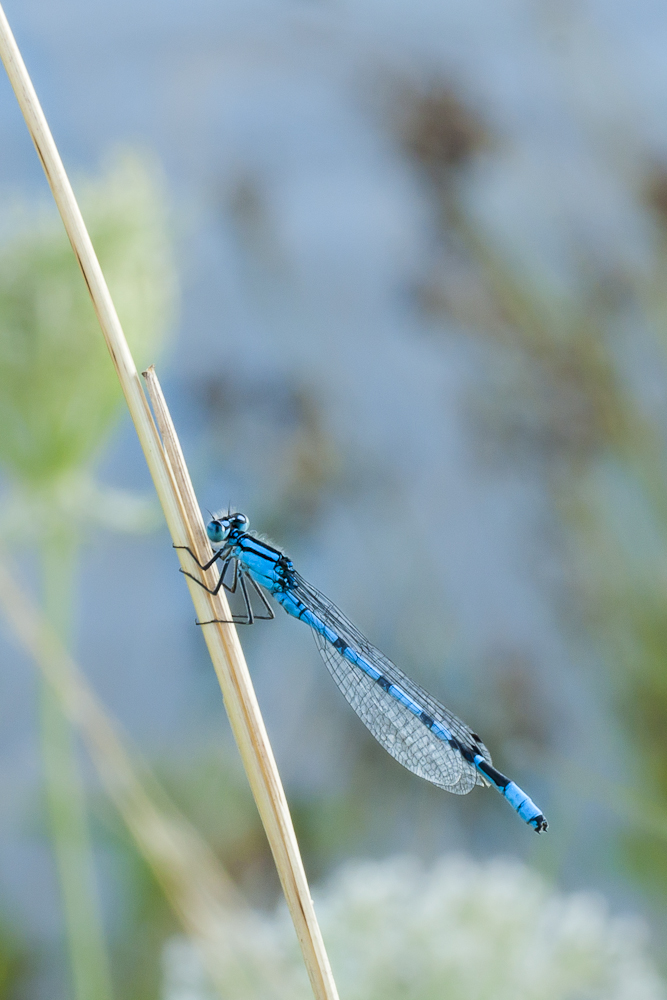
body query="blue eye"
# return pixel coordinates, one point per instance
(224, 528)
(216, 531)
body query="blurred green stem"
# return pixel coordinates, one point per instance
(65, 794)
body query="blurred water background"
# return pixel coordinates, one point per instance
(406, 263)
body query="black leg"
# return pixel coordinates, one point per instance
(208, 590)
(232, 589)
(250, 617)
(244, 591)
(238, 576)
(224, 621)
(223, 571)
(207, 565)
(264, 601)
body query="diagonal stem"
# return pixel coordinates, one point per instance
(186, 527)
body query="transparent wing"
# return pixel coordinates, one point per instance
(401, 733)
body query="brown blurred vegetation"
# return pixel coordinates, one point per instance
(562, 399)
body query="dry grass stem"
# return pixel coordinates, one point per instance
(184, 522)
(240, 701)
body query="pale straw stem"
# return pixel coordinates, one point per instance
(186, 528)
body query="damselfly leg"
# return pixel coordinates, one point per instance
(240, 580)
(204, 566)
(216, 556)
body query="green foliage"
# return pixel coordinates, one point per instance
(14, 963)
(59, 393)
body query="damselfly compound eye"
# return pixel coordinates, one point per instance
(217, 531)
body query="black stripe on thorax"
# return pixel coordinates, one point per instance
(249, 544)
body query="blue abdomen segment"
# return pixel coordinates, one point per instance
(516, 797)
(295, 607)
(274, 571)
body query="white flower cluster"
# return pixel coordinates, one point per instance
(461, 930)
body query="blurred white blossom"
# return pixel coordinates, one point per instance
(461, 930)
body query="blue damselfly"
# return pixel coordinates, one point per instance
(412, 726)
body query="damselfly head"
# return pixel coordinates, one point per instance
(220, 528)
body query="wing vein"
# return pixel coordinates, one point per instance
(402, 733)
